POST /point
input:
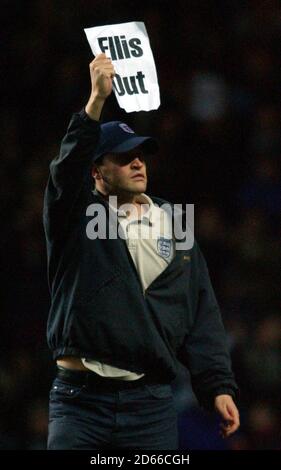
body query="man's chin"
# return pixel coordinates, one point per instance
(138, 187)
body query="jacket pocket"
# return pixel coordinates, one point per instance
(87, 298)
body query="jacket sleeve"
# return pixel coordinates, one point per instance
(70, 174)
(205, 352)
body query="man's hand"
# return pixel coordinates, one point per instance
(227, 409)
(102, 73)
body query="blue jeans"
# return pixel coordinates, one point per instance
(80, 417)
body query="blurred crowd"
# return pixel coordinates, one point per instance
(218, 125)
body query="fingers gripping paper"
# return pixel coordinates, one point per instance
(127, 44)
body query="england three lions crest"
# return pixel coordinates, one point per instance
(164, 246)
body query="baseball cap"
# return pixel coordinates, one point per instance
(118, 137)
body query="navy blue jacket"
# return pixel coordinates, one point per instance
(98, 309)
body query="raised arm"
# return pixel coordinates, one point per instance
(102, 73)
(70, 178)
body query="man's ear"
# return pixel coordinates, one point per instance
(96, 172)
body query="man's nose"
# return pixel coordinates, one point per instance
(137, 162)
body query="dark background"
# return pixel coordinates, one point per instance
(218, 65)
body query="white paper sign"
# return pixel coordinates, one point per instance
(127, 44)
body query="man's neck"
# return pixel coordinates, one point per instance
(122, 198)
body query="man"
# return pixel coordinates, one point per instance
(126, 309)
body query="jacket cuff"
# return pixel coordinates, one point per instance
(207, 401)
(85, 118)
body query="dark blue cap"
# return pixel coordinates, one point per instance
(118, 137)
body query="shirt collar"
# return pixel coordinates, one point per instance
(142, 199)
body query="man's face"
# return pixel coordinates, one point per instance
(122, 173)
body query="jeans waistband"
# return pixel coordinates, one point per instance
(91, 379)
